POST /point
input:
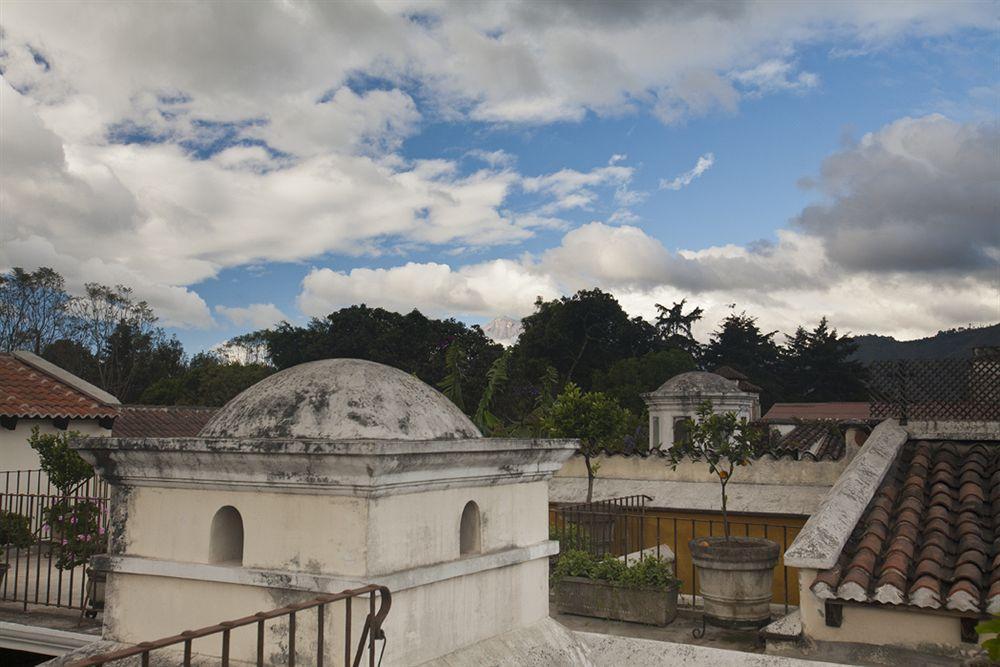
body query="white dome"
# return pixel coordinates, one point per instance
(697, 382)
(341, 399)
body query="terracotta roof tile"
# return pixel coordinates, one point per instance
(842, 410)
(27, 392)
(161, 421)
(930, 536)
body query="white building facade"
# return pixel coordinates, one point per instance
(328, 476)
(678, 399)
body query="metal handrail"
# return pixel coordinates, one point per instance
(371, 632)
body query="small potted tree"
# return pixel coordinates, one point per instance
(15, 532)
(735, 573)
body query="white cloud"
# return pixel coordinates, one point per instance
(704, 163)
(790, 284)
(919, 195)
(436, 289)
(300, 109)
(255, 316)
(775, 75)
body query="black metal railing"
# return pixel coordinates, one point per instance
(937, 389)
(371, 632)
(620, 532)
(40, 570)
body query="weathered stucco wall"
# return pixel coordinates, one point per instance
(425, 622)
(881, 626)
(763, 471)
(281, 531)
(434, 620)
(17, 454)
(429, 524)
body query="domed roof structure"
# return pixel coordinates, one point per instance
(341, 399)
(697, 382)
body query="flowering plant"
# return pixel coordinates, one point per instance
(77, 531)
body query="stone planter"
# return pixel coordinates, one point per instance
(734, 579)
(603, 599)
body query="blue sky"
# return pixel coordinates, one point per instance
(340, 163)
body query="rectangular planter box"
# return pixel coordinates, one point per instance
(602, 599)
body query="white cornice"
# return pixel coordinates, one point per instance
(363, 468)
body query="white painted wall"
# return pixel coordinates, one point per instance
(763, 471)
(17, 454)
(281, 531)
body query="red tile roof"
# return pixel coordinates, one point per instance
(161, 421)
(930, 536)
(840, 410)
(821, 440)
(28, 392)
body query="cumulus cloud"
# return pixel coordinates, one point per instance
(478, 289)
(775, 75)
(704, 163)
(199, 136)
(786, 285)
(255, 316)
(919, 195)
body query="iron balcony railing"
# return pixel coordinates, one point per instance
(371, 632)
(33, 576)
(605, 527)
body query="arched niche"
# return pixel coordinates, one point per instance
(226, 543)
(470, 533)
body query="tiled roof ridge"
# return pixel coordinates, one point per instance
(928, 537)
(144, 406)
(64, 401)
(810, 440)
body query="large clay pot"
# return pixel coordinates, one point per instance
(734, 579)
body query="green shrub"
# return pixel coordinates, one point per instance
(646, 572)
(571, 537)
(64, 467)
(15, 530)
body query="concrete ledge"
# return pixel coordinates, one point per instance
(953, 430)
(46, 641)
(821, 540)
(320, 583)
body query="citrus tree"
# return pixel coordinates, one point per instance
(724, 441)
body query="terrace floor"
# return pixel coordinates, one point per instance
(680, 631)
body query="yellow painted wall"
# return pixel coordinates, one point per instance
(677, 528)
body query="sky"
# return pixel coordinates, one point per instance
(239, 164)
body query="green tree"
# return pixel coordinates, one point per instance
(412, 342)
(740, 343)
(64, 467)
(206, 381)
(818, 366)
(629, 378)
(581, 334)
(496, 377)
(595, 418)
(724, 441)
(674, 326)
(34, 309)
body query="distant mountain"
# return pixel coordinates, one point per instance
(503, 330)
(953, 343)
